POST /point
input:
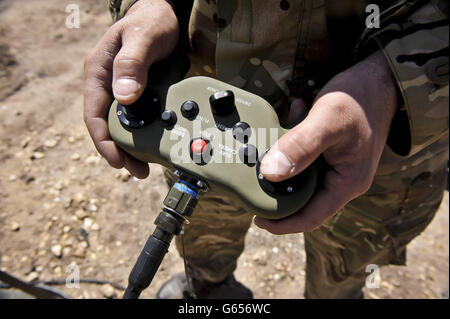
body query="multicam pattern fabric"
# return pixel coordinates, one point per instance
(291, 48)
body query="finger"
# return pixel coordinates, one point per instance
(131, 65)
(97, 96)
(335, 194)
(298, 148)
(136, 168)
(97, 100)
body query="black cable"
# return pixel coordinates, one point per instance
(178, 204)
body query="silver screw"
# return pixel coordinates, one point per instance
(260, 176)
(200, 184)
(290, 189)
(119, 113)
(177, 173)
(141, 123)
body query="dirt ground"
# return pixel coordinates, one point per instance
(60, 203)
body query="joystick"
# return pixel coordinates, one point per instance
(141, 113)
(222, 103)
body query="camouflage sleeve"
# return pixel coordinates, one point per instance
(118, 8)
(414, 39)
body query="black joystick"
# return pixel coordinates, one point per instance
(293, 185)
(222, 103)
(143, 112)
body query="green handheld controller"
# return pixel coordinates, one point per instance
(211, 130)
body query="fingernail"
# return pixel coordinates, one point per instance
(125, 87)
(276, 163)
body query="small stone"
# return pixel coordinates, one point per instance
(50, 143)
(81, 214)
(66, 229)
(68, 203)
(15, 226)
(57, 250)
(66, 251)
(108, 291)
(123, 175)
(80, 251)
(58, 186)
(95, 226)
(275, 250)
(25, 142)
(75, 157)
(32, 276)
(80, 198)
(92, 160)
(37, 155)
(71, 140)
(57, 270)
(87, 222)
(93, 208)
(12, 178)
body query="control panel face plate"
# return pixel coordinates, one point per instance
(220, 164)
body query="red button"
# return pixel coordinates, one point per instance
(198, 146)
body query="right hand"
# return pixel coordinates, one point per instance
(118, 66)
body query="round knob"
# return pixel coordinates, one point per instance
(141, 113)
(242, 132)
(248, 154)
(189, 109)
(222, 103)
(302, 183)
(168, 119)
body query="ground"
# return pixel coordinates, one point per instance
(60, 203)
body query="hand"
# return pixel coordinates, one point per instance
(118, 66)
(349, 124)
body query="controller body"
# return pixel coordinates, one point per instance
(214, 131)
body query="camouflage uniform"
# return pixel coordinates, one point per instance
(285, 49)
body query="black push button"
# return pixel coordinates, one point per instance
(242, 132)
(168, 119)
(222, 103)
(248, 154)
(189, 109)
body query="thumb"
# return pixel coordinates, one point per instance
(131, 66)
(297, 149)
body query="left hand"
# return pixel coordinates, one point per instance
(349, 124)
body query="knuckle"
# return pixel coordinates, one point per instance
(365, 185)
(127, 62)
